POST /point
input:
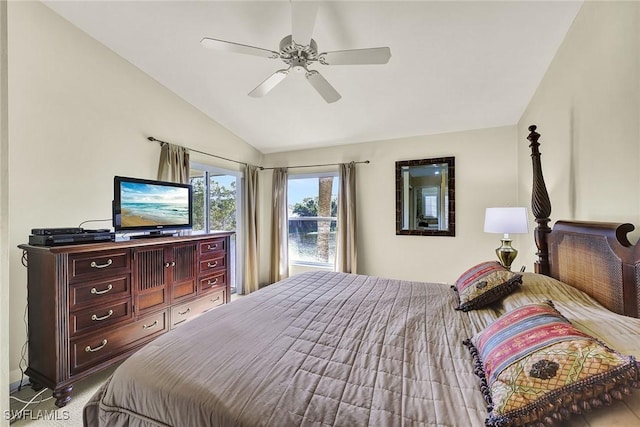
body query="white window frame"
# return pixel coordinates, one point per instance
(333, 174)
(239, 255)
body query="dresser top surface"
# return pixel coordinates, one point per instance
(133, 243)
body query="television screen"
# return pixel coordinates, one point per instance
(141, 204)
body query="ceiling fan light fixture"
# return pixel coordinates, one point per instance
(299, 65)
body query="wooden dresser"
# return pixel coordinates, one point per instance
(91, 305)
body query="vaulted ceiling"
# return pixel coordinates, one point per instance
(454, 65)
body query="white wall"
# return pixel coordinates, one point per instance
(4, 219)
(587, 109)
(485, 176)
(78, 115)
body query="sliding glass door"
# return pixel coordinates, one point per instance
(217, 207)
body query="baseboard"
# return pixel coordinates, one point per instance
(14, 386)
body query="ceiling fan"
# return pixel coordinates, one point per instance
(299, 56)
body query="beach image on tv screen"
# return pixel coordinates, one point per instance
(153, 205)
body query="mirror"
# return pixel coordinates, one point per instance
(425, 194)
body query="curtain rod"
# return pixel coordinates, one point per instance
(201, 152)
(151, 138)
(315, 166)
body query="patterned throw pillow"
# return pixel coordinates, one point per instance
(483, 284)
(536, 368)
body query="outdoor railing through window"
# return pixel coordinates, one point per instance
(312, 240)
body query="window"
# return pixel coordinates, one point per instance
(429, 202)
(216, 207)
(312, 211)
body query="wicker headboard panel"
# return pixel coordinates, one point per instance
(589, 256)
(595, 257)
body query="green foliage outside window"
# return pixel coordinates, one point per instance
(222, 212)
(309, 207)
(197, 185)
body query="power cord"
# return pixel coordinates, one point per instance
(23, 353)
(17, 415)
(93, 220)
(23, 360)
(29, 402)
(22, 366)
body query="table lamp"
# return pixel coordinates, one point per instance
(506, 221)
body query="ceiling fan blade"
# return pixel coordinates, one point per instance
(303, 19)
(270, 82)
(374, 55)
(226, 46)
(322, 86)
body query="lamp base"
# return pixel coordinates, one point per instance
(506, 253)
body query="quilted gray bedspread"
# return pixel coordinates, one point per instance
(318, 349)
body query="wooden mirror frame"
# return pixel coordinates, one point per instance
(451, 231)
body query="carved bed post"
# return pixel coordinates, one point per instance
(540, 205)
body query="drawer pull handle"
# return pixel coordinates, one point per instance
(109, 313)
(94, 265)
(210, 248)
(210, 283)
(153, 325)
(88, 349)
(169, 264)
(217, 299)
(104, 291)
(215, 264)
(182, 313)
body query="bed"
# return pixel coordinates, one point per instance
(336, 349)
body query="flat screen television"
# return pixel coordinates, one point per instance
(152, 206)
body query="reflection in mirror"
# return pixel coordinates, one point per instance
(425, 197)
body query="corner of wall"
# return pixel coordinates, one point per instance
(4, 221)
(588, 111)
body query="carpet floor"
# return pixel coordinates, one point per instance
(43, 411)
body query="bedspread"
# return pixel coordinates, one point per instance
(316, 349)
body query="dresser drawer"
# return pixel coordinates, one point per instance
(99, 291)
(103, 263)
(183, 312)
(218, 262)
(210, 247)
(211, 282)
(99, 316)
(86, 352)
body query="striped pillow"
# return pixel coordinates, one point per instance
(536, 368)
(483, 284)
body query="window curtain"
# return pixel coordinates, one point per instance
(279, 227)
(346, 253)
(251, 282)
(174, 164)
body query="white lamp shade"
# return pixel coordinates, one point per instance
(506, 221)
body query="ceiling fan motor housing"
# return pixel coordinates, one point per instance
(296, 55)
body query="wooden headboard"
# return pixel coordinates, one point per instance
(595, 257)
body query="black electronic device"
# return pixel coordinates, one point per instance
(151, 206)
(54, 231)
(71, 239)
